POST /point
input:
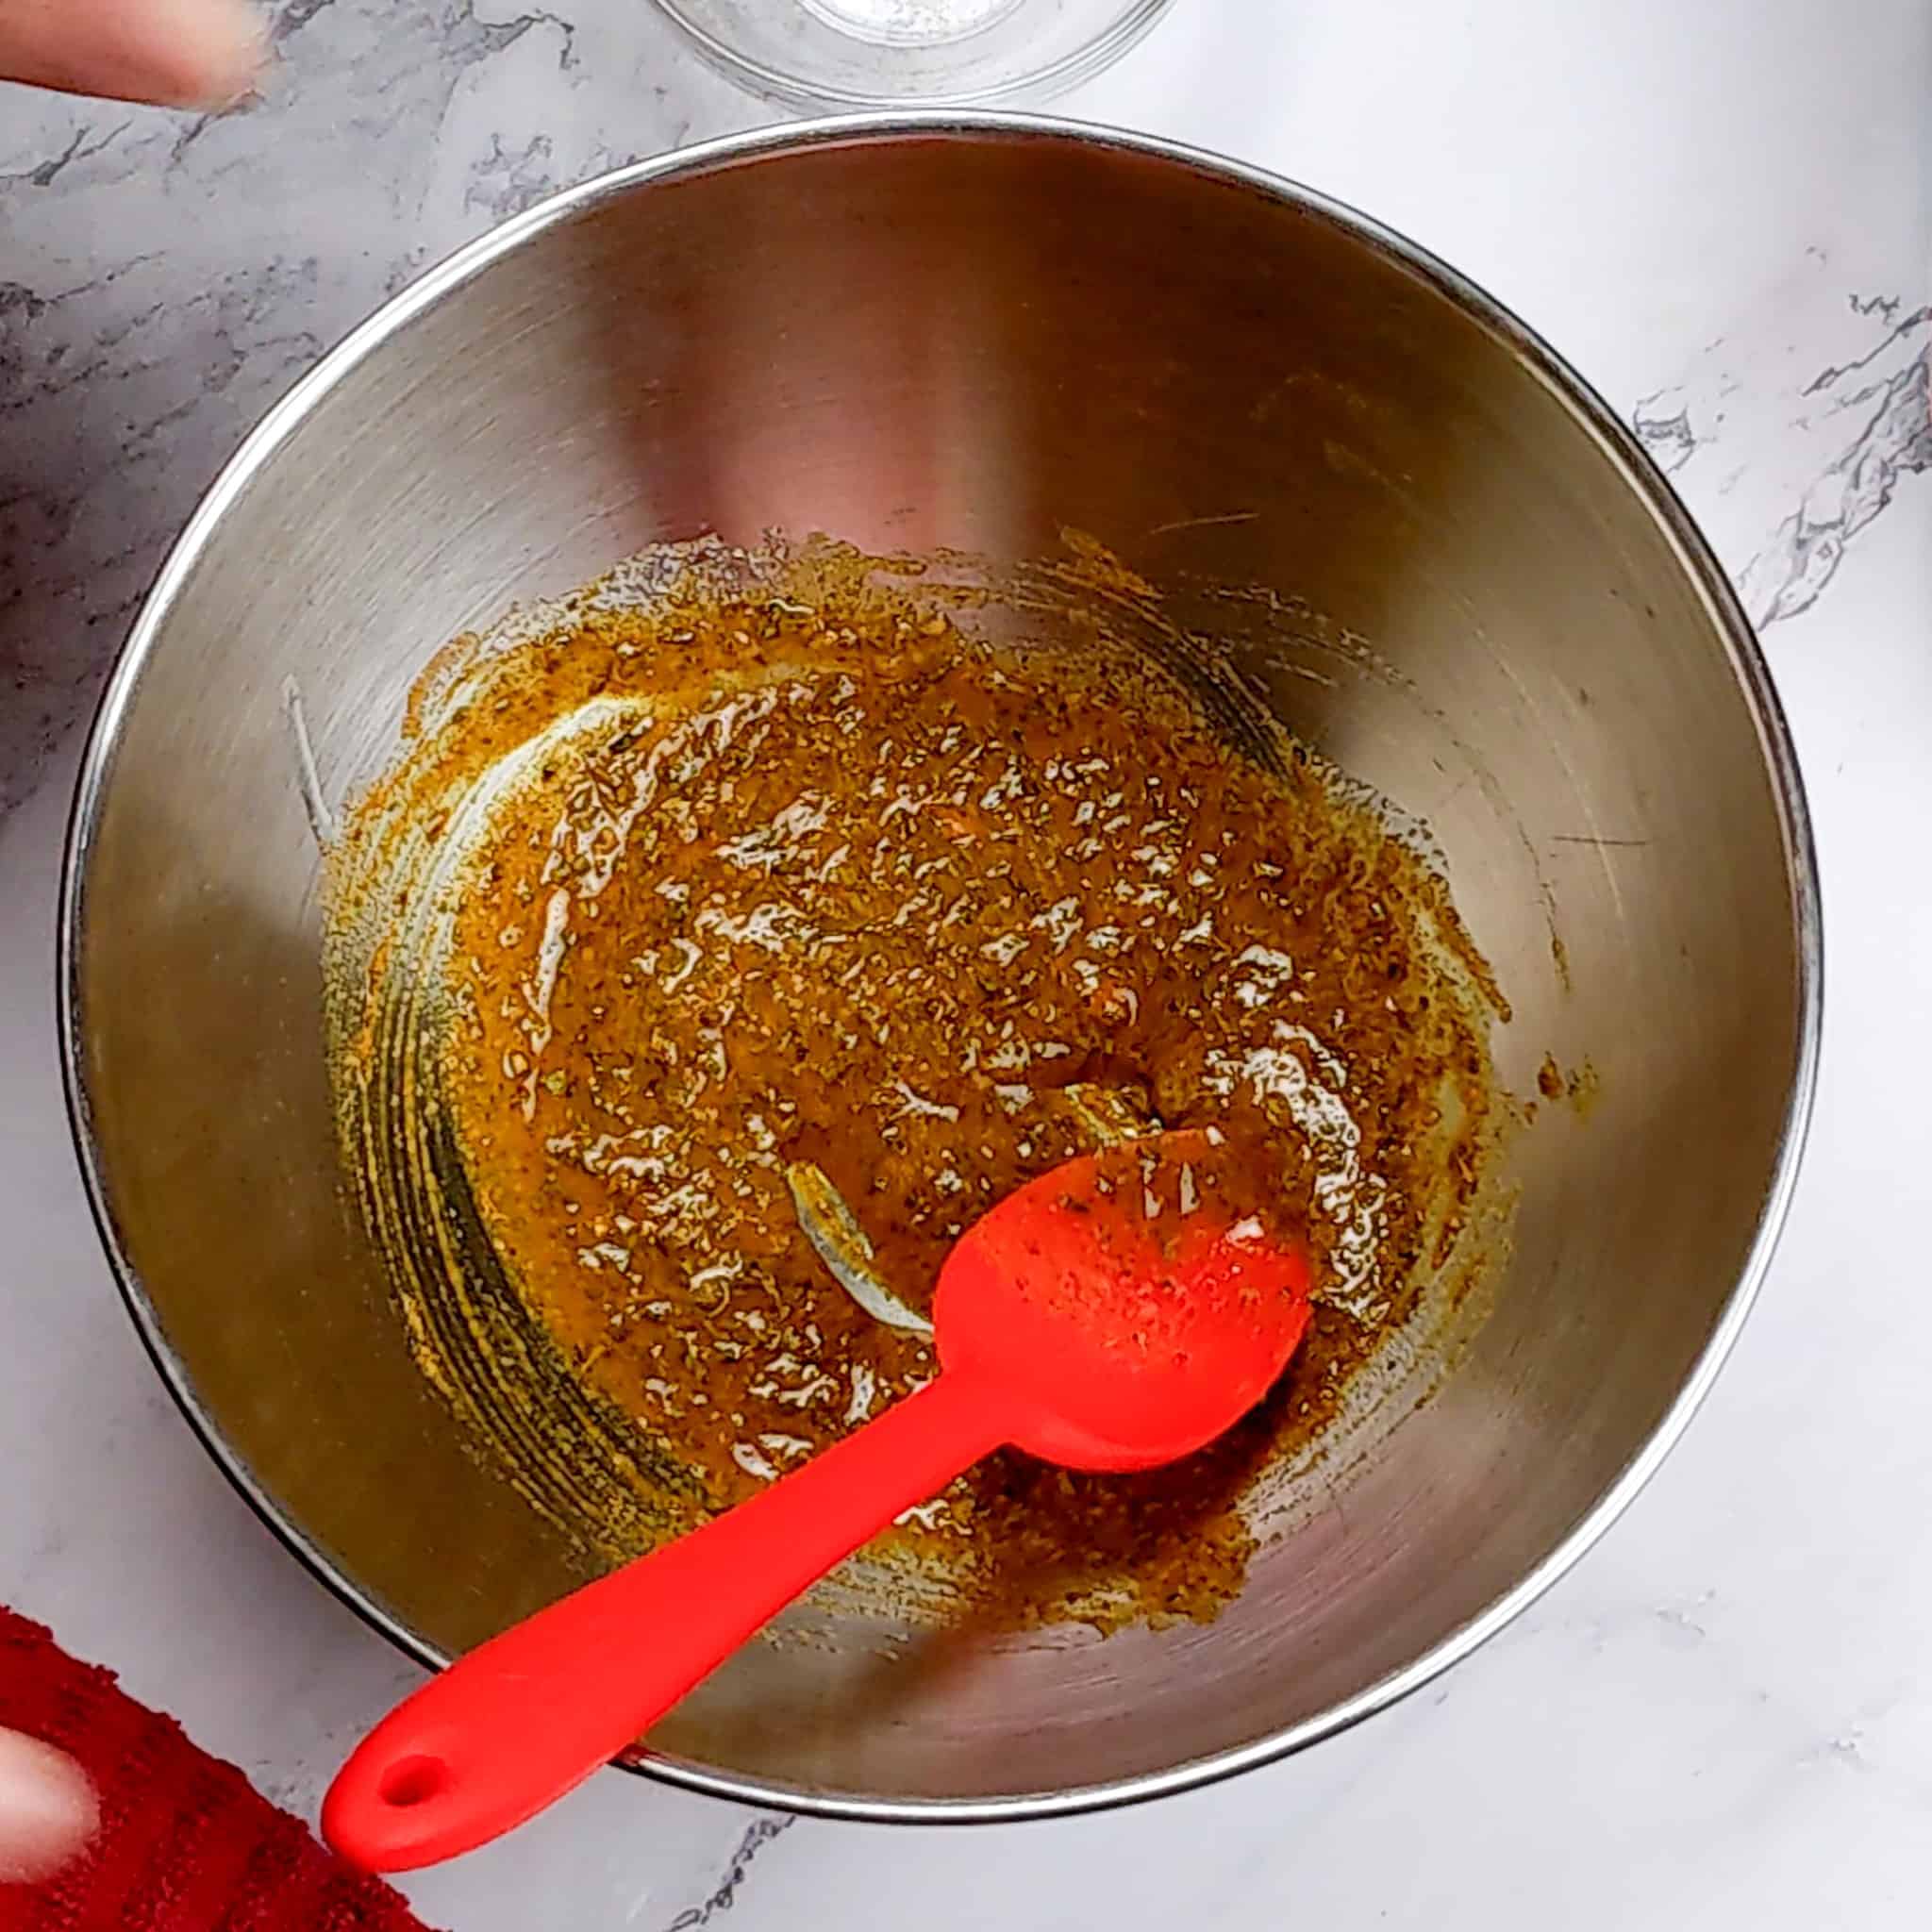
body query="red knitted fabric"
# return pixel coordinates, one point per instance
(186, 1842)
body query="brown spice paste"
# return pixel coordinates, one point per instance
(869, 895)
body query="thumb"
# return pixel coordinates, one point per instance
(181, 53)
(48, 1810)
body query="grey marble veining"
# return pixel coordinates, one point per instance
(1863, 425)
(163, 279)
(759, 1833)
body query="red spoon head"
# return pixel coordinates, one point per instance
(1129, 1307)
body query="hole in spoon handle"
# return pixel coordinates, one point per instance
(509, 1728)
(413, 1781)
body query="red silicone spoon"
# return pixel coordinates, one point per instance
(1117, 1313)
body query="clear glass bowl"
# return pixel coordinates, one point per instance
(909, 53)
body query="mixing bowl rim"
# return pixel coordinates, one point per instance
(1613, 437)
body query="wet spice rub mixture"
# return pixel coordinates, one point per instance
(800, 887)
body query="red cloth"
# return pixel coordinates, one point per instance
(186, 1844)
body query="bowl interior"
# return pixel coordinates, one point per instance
(1444, 570)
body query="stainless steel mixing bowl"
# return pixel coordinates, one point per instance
(1463, 581)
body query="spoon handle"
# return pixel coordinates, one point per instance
(509, 1728)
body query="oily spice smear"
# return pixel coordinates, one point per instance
(808, 873)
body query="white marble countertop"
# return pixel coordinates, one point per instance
(1722, 214)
